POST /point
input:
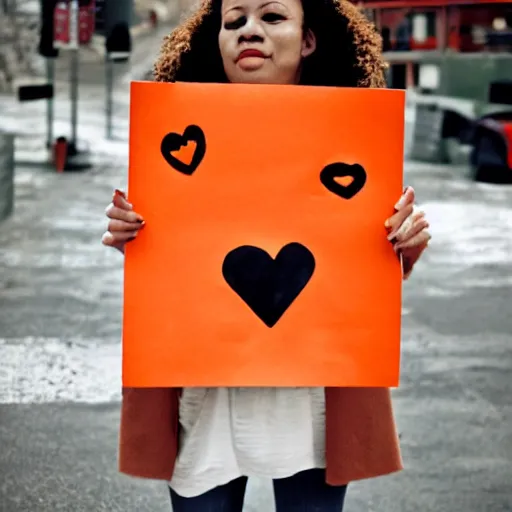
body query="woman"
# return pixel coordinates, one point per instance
(311, 442)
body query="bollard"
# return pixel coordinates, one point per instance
(60, 153)
(6, 174)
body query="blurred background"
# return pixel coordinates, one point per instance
(65, 73)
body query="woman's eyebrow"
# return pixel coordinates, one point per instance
(235, 8)
(266, 4)
(270, 3)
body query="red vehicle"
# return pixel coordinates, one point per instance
(416, 31)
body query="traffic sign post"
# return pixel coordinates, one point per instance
(73, 26)
(50, 76)
(65, 37)
(116, 18)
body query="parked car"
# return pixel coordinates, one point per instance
(491, 155)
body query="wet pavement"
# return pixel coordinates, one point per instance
(60, 317)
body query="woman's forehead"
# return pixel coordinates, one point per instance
(228, 5)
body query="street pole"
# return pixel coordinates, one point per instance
(50, 76)
(74, 96)
(118, 46)
(73, 38)
(109, 67)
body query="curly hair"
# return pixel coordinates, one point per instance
(348, 52)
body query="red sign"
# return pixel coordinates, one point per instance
(73, 25)
(86, 22)
(61, 35)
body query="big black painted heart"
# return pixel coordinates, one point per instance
(173, 142)
(269, 286)
(340, 170)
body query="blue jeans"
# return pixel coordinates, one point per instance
(303, 492)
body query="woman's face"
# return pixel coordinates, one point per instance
(263, 41)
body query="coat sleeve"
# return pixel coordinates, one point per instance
(148, 437)
(361, 436)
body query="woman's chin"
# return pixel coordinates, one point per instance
(254, 77)
(251, 64)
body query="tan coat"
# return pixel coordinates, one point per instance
(361, 440)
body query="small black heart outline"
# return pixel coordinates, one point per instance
(174, 141)
(269, 286)
(340, 170)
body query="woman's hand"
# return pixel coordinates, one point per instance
(124, 224)
(407, 231)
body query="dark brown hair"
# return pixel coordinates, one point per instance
(348, 53)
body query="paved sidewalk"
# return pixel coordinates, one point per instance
(60, 314)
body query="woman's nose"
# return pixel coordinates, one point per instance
(251, 31)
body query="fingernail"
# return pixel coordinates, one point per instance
(118, 192)
(400, 204)
(142, 224)
(402, 200)
(392, 236)
(387, 224)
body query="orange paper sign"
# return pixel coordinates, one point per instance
(264, 260)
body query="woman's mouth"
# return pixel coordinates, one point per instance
(251, 53)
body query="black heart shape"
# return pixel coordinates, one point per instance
(174, 141)
(339, 170)
(269, 286)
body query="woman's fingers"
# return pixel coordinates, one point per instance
(119, 226)
(395, 222)
(403, 209)
(124, 223)
(421, 239)
(407, 231)
(119, 232)
(119, 200)
(121, 209)
(117, 213)
(118, 239)
(410, 226)
(418, 225)
(408, 198)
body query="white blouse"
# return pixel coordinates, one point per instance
(231, 432)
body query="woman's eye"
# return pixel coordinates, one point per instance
(272, 17)
(235, 24)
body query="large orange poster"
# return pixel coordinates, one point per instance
(264, 260)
